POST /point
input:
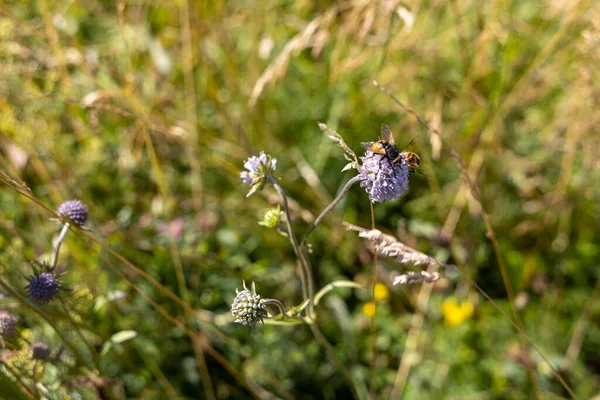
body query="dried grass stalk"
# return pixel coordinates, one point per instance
(412, 277)
(389, 246)
(349, 155)
(314, 35)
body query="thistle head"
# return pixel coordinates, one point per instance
(8, 324)
(40, 351)
(248, 308)
(258, 169)
(74, 211)
(382, 179)
(44, 284)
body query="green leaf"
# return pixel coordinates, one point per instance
(117, 338)
(122, 336)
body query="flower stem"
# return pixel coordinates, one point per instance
(373, 349)
(330, 207)
(276, 303)
(93, 352)
(61, 238)
(336, 284)
(306, 270)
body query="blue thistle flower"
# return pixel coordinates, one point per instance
(382, 179)
(73, 210)
(8, 324)
(43, 285)
(258, 170)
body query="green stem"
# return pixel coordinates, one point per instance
(306, 271)
(91, 348)
(330, 207)
(276, 303)
(337, 284)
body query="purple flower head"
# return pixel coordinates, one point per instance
(8, 324)
(40, 351)
(44, 284)
(258, 169)
(73, 210)
(382, 179)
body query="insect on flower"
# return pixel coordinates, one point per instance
(387, 146)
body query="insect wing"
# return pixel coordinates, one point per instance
(367, 145)
(410, 144)
(386, 134)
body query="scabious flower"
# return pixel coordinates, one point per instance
(248, 308)
(8, 324)
(43, 285)
(258, 170)
(382, 179)
(73, 210)
(40, 351)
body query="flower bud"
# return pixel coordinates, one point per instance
(248, 307)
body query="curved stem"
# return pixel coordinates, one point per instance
(330, 207)
(306, 271)
(337, 284)
(61, 238)
(276, 303)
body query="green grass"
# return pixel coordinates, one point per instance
(146, 111)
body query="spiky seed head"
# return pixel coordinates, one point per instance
(248, 307)
(40, 351)
(8, 324)
(74, 210)
(43, 287)
(382, 179)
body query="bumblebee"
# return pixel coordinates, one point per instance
(387, 147)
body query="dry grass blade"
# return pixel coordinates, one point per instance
(20, 186)
(412, 277)
(349, 155)
(301, 41)
(389, 246)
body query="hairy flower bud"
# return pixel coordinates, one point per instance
(271, 217)
(248, 307)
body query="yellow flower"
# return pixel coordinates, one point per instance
(454, 313)
(381, 292)
(369, 309)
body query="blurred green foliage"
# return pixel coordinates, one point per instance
(146, 112)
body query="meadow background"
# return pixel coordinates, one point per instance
(146, 111)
